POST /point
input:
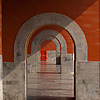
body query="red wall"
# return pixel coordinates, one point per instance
(47, 45)
(0, 29)
(84, 12)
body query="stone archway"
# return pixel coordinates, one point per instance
(34, 54)
(50, 33)
(58, 46)
(33, 24)
(46, 33)
(41, 20)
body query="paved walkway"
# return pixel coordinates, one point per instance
(49, 84)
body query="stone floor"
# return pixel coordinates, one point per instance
(50, 84)
(51, 98)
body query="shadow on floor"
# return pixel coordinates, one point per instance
(50, 98)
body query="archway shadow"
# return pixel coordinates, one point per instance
(50, 98)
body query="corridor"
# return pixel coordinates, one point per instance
(50, 83)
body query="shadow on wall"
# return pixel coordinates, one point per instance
(77, 7)
(17, 9)
(47, 45)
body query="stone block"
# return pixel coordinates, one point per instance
(51, 57)
(88, 81)
(67, 63)
(65, 58)
(67, 68)
(1, 76)
(14, 81)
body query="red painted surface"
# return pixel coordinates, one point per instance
(43, 55)
(84, 12)
(47, 45)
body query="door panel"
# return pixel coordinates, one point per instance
(43, 55)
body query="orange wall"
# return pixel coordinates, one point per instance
(63, 32)
(0, 29)
(47, 45)
(84, 12)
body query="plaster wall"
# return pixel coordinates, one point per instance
(48, 45)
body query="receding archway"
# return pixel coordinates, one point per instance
(36, 49)
(32, 94)
(36, 22)
(58, 45)
(54, 34)
(41, 20)
(63, 32)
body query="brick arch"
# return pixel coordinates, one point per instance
(36, 22)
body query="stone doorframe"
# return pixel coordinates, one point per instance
(37, 22)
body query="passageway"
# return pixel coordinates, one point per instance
(50, 83)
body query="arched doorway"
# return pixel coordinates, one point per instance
(50, 18)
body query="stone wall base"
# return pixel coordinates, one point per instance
(88, 81)
(1, 79)
(14, 81)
